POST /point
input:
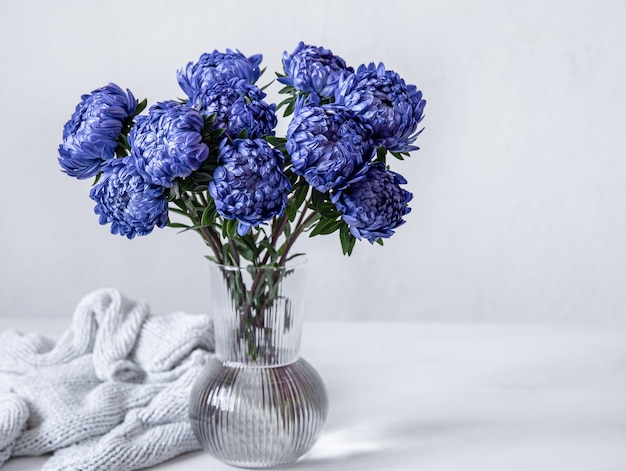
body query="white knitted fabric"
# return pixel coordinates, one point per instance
(111, 394)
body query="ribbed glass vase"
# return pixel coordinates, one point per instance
(258, 404)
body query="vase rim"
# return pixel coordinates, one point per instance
(298, 262)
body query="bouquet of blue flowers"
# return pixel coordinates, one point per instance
(214, 158)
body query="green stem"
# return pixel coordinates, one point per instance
(233, 248)
(207, 233)
(202, 199)
(276, 234)
(289, 243)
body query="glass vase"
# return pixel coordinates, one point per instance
(258, 404)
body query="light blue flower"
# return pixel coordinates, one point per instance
(249, 184)
(127, 201)
(167, 143)
(90, 136)
(328, 145)
(218, 66)
(237, 105)
(391, 107)
(374, 205)
(313, 69)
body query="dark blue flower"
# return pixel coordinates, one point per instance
(167, 143)
(90, 136)
(127, 201)
(374, 205)
(392, 108)
(312, 69)
(237, 105)
(218, 66)
(249, 184)
(328, 145)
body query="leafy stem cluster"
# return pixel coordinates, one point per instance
(308, 211)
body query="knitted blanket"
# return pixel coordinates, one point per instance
(111, 394)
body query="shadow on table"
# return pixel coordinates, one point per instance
(380, 441)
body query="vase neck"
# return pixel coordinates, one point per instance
(268, 347)
(258, 314)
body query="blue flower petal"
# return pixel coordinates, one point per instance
(328, 145)
(127, 201)
(218, 66)
(313, 69)
(249, 184)
(167, 143)
(90, 136)
(391, 107)
(375, 204)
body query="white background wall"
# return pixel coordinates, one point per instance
(519, 210)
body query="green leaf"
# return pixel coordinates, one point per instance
(141, 106)
(290, 108)
(294, 202)
(281, 249)
(178, 211)
(228, 256)
(317, 198)
(328, 210)
(244, 250)
(291, 209)
(311, 222)
(271, 250)
(249, 240)
(381, 155)
(379, 241)
(264, 87)
(276, 141)
(211, 259)
(326, 226)
(286, 101)
(208, 215)
(229, 229)
(178, 225)
(322, 204)
(178, 202)
(232, 229)
(291, 257)
(287, 229)
(400, 155)
(301, 193)
(347, 240)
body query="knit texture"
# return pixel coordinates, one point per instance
(111, 394)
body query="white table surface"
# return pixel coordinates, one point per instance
(437, 397)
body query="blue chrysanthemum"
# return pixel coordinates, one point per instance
(127, 201)
(328, 145)
(218, 66)
(90, 136)
(167, 143)
(237, 105)
(374, 205)
(249, 184)
(312, 69)
(391, 107)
